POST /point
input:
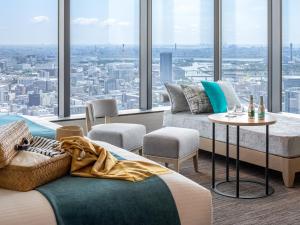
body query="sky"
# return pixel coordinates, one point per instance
(185, 22)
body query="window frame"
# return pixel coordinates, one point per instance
(145, 54)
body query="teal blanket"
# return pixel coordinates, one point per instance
(92, 201)
(35, 128)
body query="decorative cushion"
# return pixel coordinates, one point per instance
(197, 99)
(171, 142)
(11, 135)
(29, 170)
(123, 135)
(216, 96)
(177, 98)
(230, 94)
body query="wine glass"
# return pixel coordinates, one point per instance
(231, 110)
(239, 110)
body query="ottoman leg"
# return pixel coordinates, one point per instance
(141, 152)
(195, 160)
(167, 165)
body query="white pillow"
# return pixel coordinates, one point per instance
(230, 94)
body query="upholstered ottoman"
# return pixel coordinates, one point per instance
(172, 145)
(123, 135)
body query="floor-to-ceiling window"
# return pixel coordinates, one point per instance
(104, 52)
(245, 47)
(291, 56)
(28, 57)
(182, 38)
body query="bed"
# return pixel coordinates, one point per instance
(193, 202)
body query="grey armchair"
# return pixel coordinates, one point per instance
(124, 135)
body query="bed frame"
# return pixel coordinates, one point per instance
(287, 166)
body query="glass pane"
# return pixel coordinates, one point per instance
(291, 57)
(28, 57)
(104, 52)
(245, 47)
(182, 44)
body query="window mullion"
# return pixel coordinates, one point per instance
(64, 59)
(275, 55)
(145, 54)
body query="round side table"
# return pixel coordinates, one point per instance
(238, 121)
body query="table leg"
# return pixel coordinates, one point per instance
(238, 162)
(267, 160)
(227, 153)
(213, 154)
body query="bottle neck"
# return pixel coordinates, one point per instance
(251, 101)
(261, 102)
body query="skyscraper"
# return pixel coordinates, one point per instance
(166, 73)
(2, 66)
(292, 100)
(34, 100)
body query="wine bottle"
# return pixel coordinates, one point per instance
(251, 109)
(261, 109)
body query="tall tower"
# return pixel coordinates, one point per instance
(291, 52)
(166, 73)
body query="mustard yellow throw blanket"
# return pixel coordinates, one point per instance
(91, 160)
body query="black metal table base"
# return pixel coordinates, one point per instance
(261, 195)
(268, 189)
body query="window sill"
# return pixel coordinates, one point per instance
(293, 115)
(121, 113)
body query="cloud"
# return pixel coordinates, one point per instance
(109, 22)
(40, 19)
(113, 22)
(85, 21)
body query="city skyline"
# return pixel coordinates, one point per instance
(28, 76)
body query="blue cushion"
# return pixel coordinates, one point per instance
(216, 96)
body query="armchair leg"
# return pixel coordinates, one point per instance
(195, 161)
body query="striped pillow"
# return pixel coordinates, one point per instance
(44, 146)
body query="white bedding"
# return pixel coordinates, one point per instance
(194, 202)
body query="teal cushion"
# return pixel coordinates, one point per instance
(216, 96)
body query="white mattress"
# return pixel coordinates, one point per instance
(284, 135)
(194, 202)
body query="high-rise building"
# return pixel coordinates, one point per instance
(3, 66)
(4, 92)
(166, 73)
(292, 100)
(34, 100)
(110, 85)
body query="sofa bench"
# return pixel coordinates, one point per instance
(284, 141)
